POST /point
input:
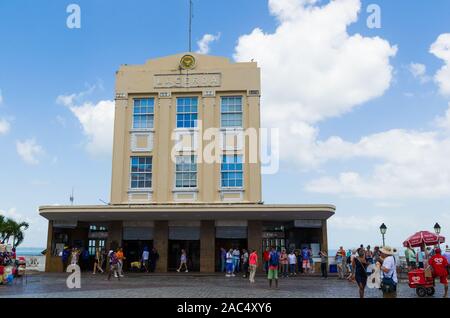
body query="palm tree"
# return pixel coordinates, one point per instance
(18, 232)
(11, 229)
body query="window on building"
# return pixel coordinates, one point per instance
(141, 172)
(232, 171)
(143, 113)
(91, 247)
(231, 111)
(186, 172)
(187, 112)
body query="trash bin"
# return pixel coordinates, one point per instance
(333, 268)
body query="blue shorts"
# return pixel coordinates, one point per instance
(229, 267)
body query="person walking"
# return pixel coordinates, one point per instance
(113, 265)
(323, 264)
(253, 264)
(292, 263)
(65, 257)
(439, 264)
(244, 262)
(284, 263)
(236, 260)
(154, 257)
(120, 259)
(359, 271)
(145, 258)
(230, 266)
(223, 259)
(369, 255)
(74, 256)
(389, 278)
(266, 257)
(311, 261)
(340, 262)
(306, 260)
(183, 261)
(98, 261)
(410, 256)
(274, 263)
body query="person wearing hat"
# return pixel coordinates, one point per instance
(440, 264)
(389, 278)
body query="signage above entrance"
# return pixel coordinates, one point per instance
(65, 224)
(187, 81)
(311, 224)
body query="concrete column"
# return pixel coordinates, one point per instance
(48, 254)
(324, 238)
(115, 234)
(207, 247)
(161, 243)
(254, 233)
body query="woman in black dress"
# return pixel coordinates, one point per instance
(359, 271)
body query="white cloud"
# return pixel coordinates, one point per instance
(419, 71)
(96, 119)
(205, 42)
(444, 121)
(313, 69)
(412, 164)
(5, 126)
(441, 49)
(29, 151)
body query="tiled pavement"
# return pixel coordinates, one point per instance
(187, 285)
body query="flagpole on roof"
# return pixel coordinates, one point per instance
(191, 4)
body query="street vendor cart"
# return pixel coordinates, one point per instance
(422, 280)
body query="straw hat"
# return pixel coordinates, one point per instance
(387, 250)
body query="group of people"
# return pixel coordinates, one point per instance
(296, 261)
(11, 266)
(114, 258)
(418, 258)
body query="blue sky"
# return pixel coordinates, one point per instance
(41, 59)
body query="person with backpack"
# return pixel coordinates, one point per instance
(389, 278)
(306, 256)
(274, 263)
(113, 265)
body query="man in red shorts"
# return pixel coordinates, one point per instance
(440, 264)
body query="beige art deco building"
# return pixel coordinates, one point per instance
(186, 171)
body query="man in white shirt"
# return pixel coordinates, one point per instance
(292, 261)
(389, 272)
(145, 256)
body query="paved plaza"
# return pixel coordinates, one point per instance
(187, 285)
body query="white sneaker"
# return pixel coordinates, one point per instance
(178, 270)
(227, 275)
(233, 275)
(187, 271)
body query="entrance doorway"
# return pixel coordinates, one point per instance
(133, 249)
(227, 244)
(192, 248)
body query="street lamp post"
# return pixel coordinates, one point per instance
(383, 229)
(437, 230)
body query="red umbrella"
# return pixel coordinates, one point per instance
(423, 237)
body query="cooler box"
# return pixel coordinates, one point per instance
(333, 268)
(417, 277)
